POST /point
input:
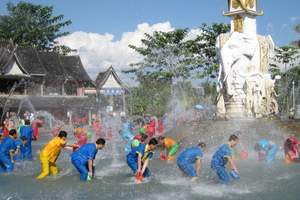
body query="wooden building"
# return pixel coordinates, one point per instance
(50, 81)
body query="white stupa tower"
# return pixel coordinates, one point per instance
(245, 85)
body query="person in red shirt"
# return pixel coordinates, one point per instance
(35, 126)
(5, 131)
(161, 128)
(151, 128)
(97, 128)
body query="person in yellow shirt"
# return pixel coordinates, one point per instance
(171, 147)
(50, 153)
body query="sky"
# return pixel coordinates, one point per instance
(103, 29)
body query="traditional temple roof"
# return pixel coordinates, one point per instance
(31, 63)
(28, 58)
(75, 70)
(103, 77)
(7, 50)
(52, 64)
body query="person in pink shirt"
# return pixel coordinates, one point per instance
(35, 126)
(161, 128)
(151, 128)
(81, 137)
(97, 128)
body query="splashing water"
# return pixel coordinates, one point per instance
(114, 179)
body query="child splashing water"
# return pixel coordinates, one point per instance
(139, 157)
(49, 155)
(83, 159)
(291, 150)
(7, 152)
(190, 157)
(223, 156)
(170, 146)
(266, 150)
(27, 132)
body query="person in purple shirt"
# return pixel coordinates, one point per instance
(83, 158)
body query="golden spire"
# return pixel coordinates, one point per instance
(243, 6)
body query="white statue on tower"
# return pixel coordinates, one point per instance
(244, 84)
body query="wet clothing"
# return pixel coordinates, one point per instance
(171, 145)
(151, 128)
(127, 135)
(291, 150)
(81, 157)
(219, 161)
(187, 159)
(21, 154)
(269, 148)
(7, 146)
(49, 155)
(27, 131)
(35, 126)
(132, 158)
(160, 127)
(5, 131)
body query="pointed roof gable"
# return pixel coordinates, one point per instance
(28, 62)
(7, 60)
(104, 76)
(28, 58)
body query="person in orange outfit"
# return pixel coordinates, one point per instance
(50, 153)
(171, 147)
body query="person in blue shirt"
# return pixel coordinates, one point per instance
(7, 151)
(190, 157)
(27, 132)
(223, 156)
(83, 159)
(21, 148)
(138, 159)
(266, 150)
(127, 134)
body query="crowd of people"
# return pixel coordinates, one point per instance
(142, 138)
(141, 143)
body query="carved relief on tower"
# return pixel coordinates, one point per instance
(238, 23)
(223, 38)
(265, 49)
(243, 4)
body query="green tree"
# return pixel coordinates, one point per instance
(284, 60)
(170, 56)
(166, 55)
(206, 47)
(30, 25)
(151, 97)
(173, 55)
(297, 42)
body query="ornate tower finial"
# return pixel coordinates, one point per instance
(243, 14)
